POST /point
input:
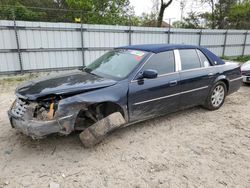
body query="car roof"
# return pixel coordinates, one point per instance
(157, 48)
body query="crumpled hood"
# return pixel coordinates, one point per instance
(62, 84)
(246, 66)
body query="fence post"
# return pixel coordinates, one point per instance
(82, 42)
(169, 28)
(17, 42)
(225, 43)
(244, 44)
(200, 34)
(129, 32)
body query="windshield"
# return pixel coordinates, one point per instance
(116, 64)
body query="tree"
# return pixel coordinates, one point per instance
(211, 16)
(222, 9)
(192, 21)
(90, 11)
(163, 6)
(217, 18)
(239, 15)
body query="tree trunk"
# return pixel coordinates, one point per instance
(213, 20)
(161, 13)
(160, 16)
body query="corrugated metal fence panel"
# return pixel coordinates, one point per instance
(212, 37)
(105, 36)
(7, 37)
(45, 37)
(234, 37)
(248, 38)
(49, 60)
(214, 40)
(8, 61)
(247, 48)
(58, 45)
(90, 56)
(42, 35)
(148, 35)
(185, 36)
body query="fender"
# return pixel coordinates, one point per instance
(81, 101)
(223, 78)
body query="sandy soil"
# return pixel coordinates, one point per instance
(191, 148)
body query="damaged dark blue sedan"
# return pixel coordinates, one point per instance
(138, 81)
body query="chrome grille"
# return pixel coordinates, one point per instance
(19, 108)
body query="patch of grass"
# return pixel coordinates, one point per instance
(241, 59)
(18, 78)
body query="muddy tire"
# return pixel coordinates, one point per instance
(216, 96)
(98, 131)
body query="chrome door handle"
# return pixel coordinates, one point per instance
(173, 83)
(210, 74)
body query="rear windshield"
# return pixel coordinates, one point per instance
(116, 64)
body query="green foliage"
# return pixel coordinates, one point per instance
(90, 11)
(239, 15)
(242, 59)
(146, 18)
(226, 14)
(192, 21)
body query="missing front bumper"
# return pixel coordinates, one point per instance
(40, 129)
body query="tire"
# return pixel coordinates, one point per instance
(98, 131)
(216, 96)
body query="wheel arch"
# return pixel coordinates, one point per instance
(101, 109)
(111, 107)
(224, 79)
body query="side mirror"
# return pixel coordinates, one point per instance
(149, 73)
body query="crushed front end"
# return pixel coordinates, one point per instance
(40, 118)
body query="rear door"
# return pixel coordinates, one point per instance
(194, 77)
(152, 97)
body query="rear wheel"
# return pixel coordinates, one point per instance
(216, 96)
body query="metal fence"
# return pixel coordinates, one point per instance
(38, 46)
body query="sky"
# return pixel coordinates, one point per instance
(173, 11)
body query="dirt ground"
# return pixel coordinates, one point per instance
(191, 148)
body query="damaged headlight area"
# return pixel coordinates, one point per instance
(46, 108)
(42, 109)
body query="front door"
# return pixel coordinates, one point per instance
(153, 97)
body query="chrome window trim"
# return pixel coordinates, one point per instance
(177, 60)
(168, 96)
(202, 68)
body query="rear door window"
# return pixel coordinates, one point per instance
(189, 59)
(163, 63)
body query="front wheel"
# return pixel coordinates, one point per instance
(216, 96)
